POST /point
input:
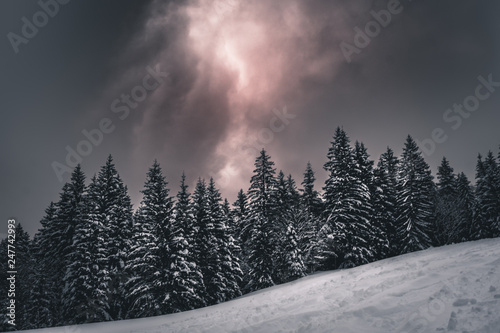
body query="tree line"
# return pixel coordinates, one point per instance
(96, 259)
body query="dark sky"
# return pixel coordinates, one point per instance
(233, 66)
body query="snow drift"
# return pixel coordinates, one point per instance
(453, 288)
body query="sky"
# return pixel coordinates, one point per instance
(203, 85)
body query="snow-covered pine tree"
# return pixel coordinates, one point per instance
(310, 219)
(43, 268)
(466, 201)
(39, 298)
(384, 202)
(55, 241)
(204, 249)
(346, 233)
(415, 207)
(229, 274)
(107, 236)
(86, 280)
(115, 208)
(446, 226)
(488, 197)
(240, 214)
(147, 264)
(185, 280)
(260, 224)
(375, 237)
(290, 230)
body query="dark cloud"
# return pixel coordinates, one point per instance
(233, 67)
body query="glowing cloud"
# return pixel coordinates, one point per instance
(231, 63)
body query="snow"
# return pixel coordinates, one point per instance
(452, 288)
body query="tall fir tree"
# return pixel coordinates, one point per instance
(242, 234)
(185, 280)
(346, 234)
(466, 202)
(290, 230)
(148, 262)
(486, 213)
(261, 225)
(384, 202)
(415, 207)
(447, 221)
(309, 219)
(229, 277)
(96, 276)
(55, 240)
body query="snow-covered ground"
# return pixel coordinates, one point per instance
(453, 288)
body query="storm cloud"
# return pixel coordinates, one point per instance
(242, 75)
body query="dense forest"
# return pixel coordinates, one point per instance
(96, 259)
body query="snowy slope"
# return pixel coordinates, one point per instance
(453, 288)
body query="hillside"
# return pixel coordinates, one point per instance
(449, 289)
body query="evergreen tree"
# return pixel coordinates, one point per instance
(447, 225)
(39, 298)
(466, 201)
(346, 234)
(487, 195)
(47, 297)
(289, 229)
(96, 277)
(185, 280)
(384, 203)
(261, 224)
(309, 220)
(415, 208)
(148, 261)
(229, 272)
(374, 234)
(86, 280)
(55, 241)
(242, 234)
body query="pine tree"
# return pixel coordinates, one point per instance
(488, 201)
(39, 298)
(374, 234)
(294, 265)
(447, 225)
(346, 233)
(55, 241)
(384, 202)
(290, 230)
(309, 219)
(415, 208)
(86, 280)
(43, 270)
(96, 277)
(185, 280)
(229, 272)
(260, 224)
(148, 261)
(466, 201)
(242, 234)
